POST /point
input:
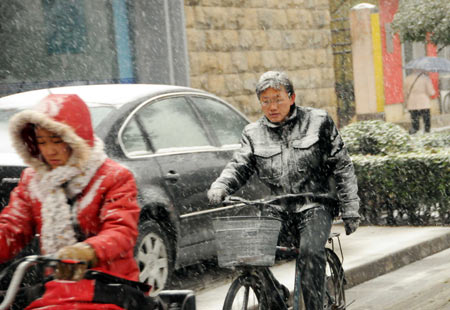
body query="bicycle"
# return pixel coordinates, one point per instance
(255, 287)
(165, 300)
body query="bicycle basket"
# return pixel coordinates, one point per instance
(246, 240)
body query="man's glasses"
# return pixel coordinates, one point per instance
(277, 101)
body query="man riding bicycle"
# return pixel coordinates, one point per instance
(293, 150)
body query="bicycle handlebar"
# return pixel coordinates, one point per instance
(271, 201)
(178, 299)
(23, 265)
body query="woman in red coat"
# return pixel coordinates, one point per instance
(81, 203)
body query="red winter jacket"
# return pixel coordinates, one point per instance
(91, 198)
(109, 219)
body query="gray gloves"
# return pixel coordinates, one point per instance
(351, 224)
(216, 196)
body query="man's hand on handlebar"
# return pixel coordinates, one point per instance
(216, 196)
(82, 252)
(351, 224)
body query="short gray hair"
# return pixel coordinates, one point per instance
(275, 80)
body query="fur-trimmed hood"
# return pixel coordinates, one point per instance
(64, 115)
(68, 117)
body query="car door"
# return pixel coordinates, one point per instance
(140, 159)
(183, 150)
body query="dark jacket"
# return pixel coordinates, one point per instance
(303, 154)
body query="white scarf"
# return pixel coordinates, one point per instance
(57, 217)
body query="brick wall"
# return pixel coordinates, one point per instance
(232, 42)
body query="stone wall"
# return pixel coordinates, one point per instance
(232, 42)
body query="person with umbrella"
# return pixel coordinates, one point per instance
(418, 89)
(418, 92)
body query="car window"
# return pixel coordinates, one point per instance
(171, 123)
(99, 113)
(226, 122)
(133, 140)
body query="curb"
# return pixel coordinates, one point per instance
(396, 260)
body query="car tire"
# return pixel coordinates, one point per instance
(154, 256)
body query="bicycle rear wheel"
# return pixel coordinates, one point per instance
(246, 292)
(334, 298)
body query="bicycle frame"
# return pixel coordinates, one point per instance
(297, 272)
(276, 299)
(271, 289)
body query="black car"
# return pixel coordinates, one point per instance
(176, 140)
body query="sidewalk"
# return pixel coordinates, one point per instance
(368, 253)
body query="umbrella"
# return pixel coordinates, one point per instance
(430, 64)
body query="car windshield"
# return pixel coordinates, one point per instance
(98, 114)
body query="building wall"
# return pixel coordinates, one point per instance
(231, 43)
(342, 53)
(221, 46)
(31, 52)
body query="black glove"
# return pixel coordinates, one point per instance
(351, 224)
(216, 196)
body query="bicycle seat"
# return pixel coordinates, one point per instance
(334, 235)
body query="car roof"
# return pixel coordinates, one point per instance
(115, 95)
(103, 94)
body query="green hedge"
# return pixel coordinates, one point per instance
(433, 140)
(404, 188)
(402, 179)
(377, 138)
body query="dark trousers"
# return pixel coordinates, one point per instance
(415, 120)
(313, 227)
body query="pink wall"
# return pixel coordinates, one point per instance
(432, 51)
(392, 62)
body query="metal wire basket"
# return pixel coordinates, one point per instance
(246, 240)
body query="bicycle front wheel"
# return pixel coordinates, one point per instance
(246, 292)
(334, 283)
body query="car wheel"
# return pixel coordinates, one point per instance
(154, 256)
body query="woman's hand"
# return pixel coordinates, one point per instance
(82, 252)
